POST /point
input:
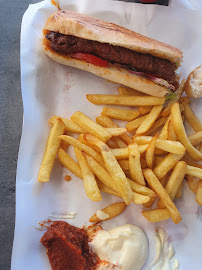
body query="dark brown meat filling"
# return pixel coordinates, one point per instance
(152, 65)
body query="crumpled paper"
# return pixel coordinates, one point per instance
(50, 89)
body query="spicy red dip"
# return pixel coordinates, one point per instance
(67, 247)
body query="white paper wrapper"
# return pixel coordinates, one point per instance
(52, 89)
(191, 4)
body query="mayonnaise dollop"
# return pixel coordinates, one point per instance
(125, 247)
(164, 259)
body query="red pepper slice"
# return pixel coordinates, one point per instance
(91, 59)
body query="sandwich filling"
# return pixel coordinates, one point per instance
(143, 64)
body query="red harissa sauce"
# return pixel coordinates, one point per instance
(67, 247)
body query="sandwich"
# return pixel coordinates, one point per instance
(193, 85)
(111, 52)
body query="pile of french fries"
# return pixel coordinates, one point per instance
(144, 162)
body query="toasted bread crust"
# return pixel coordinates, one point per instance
(83, 26)
(114, 74)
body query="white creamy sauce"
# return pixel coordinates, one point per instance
(164, 259)
(69, 215)
(124, 247)
(102, 215)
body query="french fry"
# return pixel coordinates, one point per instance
(181, 133)
(194, 171)
(105, 121)
(166, 145)
(158, 159)
(69, 124)
(120, 114)
(123, 153)
(143, 148)
(199, 192)
(135, 123)
(52, 146)
(105, 189)
(108, 212)
(145, 109)
(139, 198)
(69, 163)
(164, 132)
(136, 187)
(136, 198)
(192, 182)
(108, 123)
(64, 145)
(181, 106)
(101, 173)
(166, 165)
(163, 195)
(150, 151)
(129, 91)
(156, 215)
(90, 184)
(156, 125)
(185, 99)
(134, 164)
(108, 190)
(149, 203)
(120, 153)
(171, 133)
(163, 182)
(124, 163)
(195, 138)
(116, 131)
(126, 139)
(81, 139)
(150, 119)
(91, 126)
(191, 162)
(83, 147)
(200, 147)
(125, 100)
(178, 94)
(191, 118)
(174, 181)
(112, 144)
(159, 152)
(113, 168)
(142, 160)
(119, 142)
(179, 192)
(127, 173)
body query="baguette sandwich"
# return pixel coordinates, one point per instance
(111, 52)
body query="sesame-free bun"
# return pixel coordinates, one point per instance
(193, 85)
(112, 73)
(83, 26)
